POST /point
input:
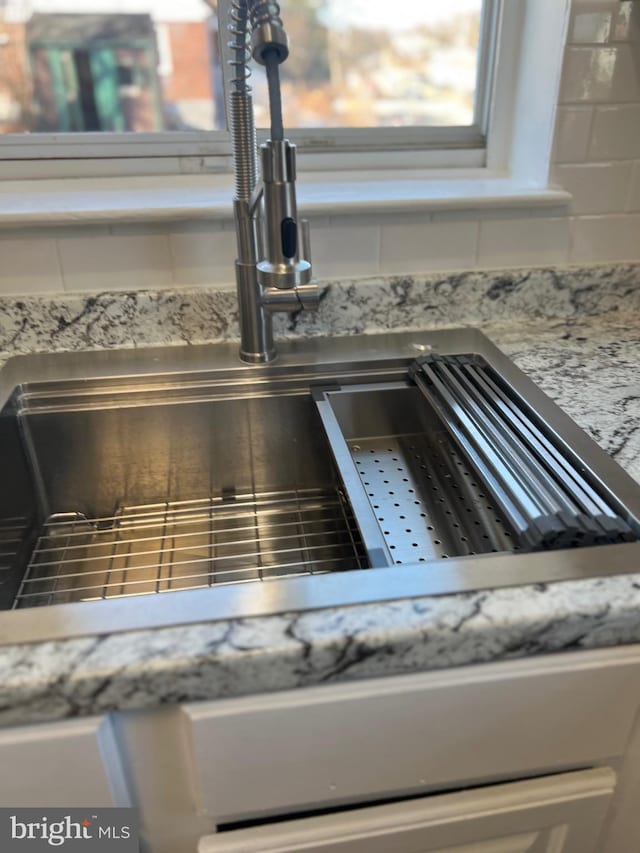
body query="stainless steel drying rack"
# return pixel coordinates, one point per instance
(158, 548)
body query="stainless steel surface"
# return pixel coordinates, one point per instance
(548, 501)
(191, 544)
(280, 269)
(12, 535)
(426, 500)
(92, 432)
(413, 492)
(421, 483)
(292, 299)
(271, 241)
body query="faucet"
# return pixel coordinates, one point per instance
(273, 267)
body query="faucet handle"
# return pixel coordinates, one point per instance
(305, 241)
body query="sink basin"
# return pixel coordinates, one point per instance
(133, 473)
(174, 494)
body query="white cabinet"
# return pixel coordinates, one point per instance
(559, 814)
(495, 758)
(368, 740)
(71, 763)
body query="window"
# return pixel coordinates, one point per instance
(138, 78)
(449, 104)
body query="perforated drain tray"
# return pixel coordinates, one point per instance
(453, 462)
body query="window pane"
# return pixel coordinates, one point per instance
(376, 63)
(154, 65)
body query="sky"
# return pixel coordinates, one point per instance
(375, 13)
(372, 13)
(161, 10)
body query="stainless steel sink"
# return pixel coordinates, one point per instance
(132, 473)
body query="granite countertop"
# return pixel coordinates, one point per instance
(586, 359)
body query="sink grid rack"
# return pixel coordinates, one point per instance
(190, 544)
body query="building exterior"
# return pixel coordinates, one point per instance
(130, 66)
(94, 72)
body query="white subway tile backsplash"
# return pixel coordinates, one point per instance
(597, 239)
(634, 189)
(530, 241)
(591, 24)
(596, 187)
(202, 254)
(345, 247)
(573, 126)
(627, 22)
(599, 74)
(131, 229)
(115, 261)
(411, 248)
(616, 133)
(29, 265)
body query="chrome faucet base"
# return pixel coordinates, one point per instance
(256, 325)
(258, 357)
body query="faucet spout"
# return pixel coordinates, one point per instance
(272, 272)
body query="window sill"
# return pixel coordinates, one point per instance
(169, 199)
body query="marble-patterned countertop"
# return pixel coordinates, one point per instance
(588, 362)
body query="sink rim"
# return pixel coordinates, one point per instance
(317, 592)
(23, 378)
(218, 362)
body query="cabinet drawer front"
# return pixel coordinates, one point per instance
(61, 765)
(353, 742)
(560, 814)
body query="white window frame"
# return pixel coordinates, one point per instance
(188, 175)
(332, 148)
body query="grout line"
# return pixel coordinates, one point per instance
(572, 238)
(592, 118)
(479, 242)
(635, 170)
(622, 161)
(476, 250)
(172, 260)
(632, 102)
(56, 241)
(605, 45)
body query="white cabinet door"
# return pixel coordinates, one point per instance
(322, 746)
(557, 814)
(61, 765)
